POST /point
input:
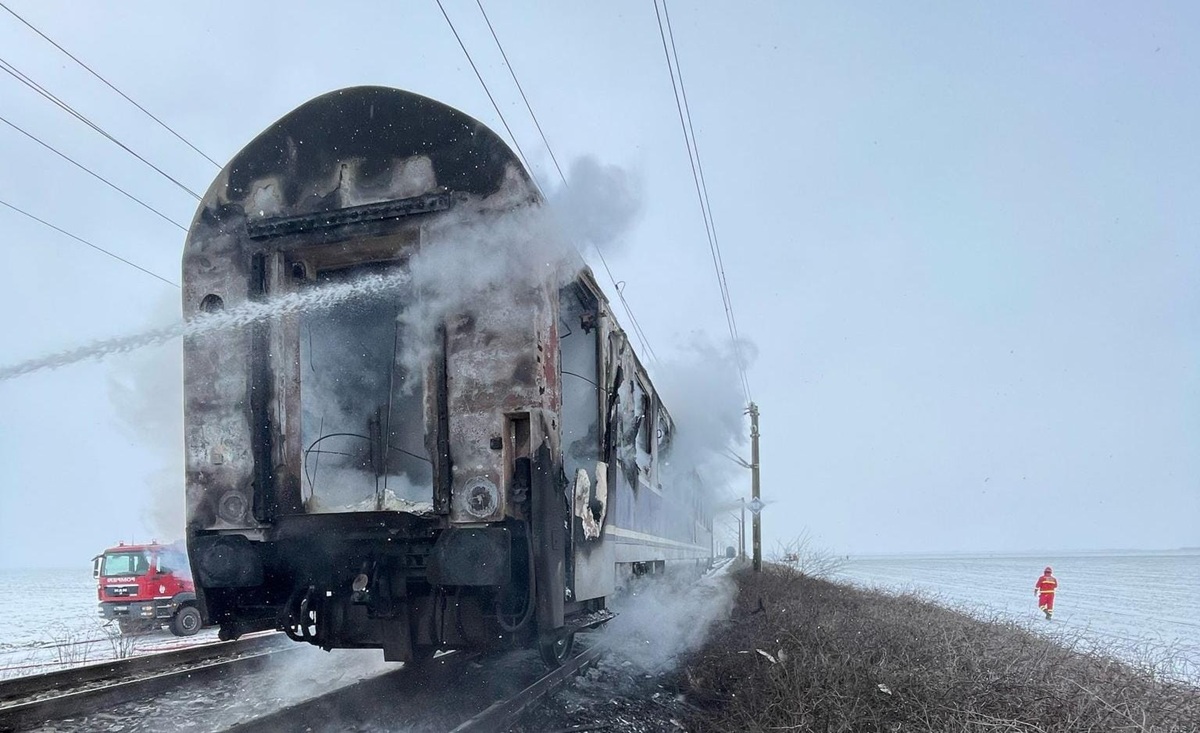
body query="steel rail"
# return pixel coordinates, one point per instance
(99, 686)
(366, 702)
(357, 696)
(503, 714)
(17, 687)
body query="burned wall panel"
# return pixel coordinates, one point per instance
(495, 366)
(218, 426)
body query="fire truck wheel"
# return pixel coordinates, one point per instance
(186, 621)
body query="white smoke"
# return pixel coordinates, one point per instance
(469, 263)
(701, 388)
(598, 204)
(146, 391)
(660, 619)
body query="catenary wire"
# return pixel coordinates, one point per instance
(700, 167)
(705, 210)
(520, 89)
(28, 81)
(81, 240)
(463, 46)
(110, 85)
(633, 322)
(93, 174)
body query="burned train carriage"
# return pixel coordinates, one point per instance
(364, 470)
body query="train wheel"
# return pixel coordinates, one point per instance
(556, 650)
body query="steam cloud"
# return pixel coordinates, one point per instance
(146, 391)
(469, 264)
(700, 387)
(598, 204)
(661, 619)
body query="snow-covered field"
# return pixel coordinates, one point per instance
(1143, 606)
(49, 620)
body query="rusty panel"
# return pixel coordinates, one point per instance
(492, 371)
(217, 429)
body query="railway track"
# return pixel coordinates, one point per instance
(465, 693)
(501, 715)
(456, 691)
(32, 701)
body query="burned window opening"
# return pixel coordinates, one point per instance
(646, 422)
(579, 363)
(363, 423)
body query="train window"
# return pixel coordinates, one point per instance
(582, 423)
(645, 430)
(362, 403)
(646, 427)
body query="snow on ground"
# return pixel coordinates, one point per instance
(49, 621)
(1141, 606)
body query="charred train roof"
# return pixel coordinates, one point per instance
(354, 147)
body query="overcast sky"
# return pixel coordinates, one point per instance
(962, 239)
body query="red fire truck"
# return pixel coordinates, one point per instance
(146, 586)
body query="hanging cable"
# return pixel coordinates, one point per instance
(109, 84)
(521, 90)
(701, 193)
(93, 174)
(463, 46)
(633, 322)
(51, 97)
(700, 167)
(81, 240)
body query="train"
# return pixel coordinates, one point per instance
(450, 443)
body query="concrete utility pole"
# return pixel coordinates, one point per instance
(754, 487)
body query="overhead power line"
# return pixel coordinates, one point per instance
(89, 244)
(689, 138)
(633, 322)
(25, 79)
(110, 85)
(700, 167)
(93, 174)
(634, 325)
(463, 46)
(520, 89)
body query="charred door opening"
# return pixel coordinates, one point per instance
(363, 405)
(579, 344)
(590, 571)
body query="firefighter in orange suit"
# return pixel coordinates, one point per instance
(1044, 589)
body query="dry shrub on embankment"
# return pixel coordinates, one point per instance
(853, 660)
